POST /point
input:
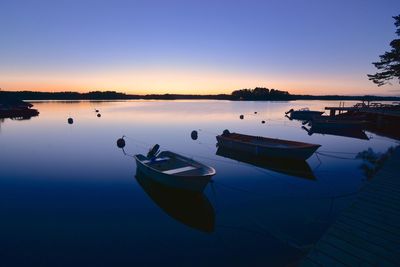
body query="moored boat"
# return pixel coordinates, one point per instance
(15, 108)
(303, 114)
(18, 113)
(174, 170)
(268, 147)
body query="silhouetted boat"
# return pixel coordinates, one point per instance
(299, 168)
(303, 114)
(18, 113)
(268, 147)
(15, 108)
(175, 170)
(352, 133)
(190, 208)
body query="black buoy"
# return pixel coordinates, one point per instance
(226, 132)
(96, 110)
(98, 115)
(255, 112)
(194, 135)
(121, 142)
(262, 122)
(241, 117)
(70, 121)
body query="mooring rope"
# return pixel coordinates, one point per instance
(333, 156)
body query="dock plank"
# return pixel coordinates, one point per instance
(368, 232)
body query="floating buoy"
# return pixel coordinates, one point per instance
(262, 122)
(194, 135)
(70, 121)
(99, 115)
(121, 142)
(96, 110)
(226, 132)
(255, 112)
(241, 117)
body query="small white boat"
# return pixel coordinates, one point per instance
(268, 147)
(303, 114)
(174, 170)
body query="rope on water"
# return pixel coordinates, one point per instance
(338, 152)
(127, 154)
(333, 156)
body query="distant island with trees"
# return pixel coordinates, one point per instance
(256, 94)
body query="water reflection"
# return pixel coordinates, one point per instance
(298, 168)
(190, 208)
(61, 181)
(352, 133)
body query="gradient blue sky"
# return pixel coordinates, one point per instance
(318, 47)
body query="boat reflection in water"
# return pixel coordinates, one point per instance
(292, 167)
(346, 132)
(188, 207)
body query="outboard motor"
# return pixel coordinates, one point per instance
(153, 152)
(289, 111)
(226, 132)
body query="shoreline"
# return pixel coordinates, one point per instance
(106, 96)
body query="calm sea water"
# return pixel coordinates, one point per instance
(70, 197)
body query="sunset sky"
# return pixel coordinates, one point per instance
(199, 47)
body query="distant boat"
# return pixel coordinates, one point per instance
(303, 114)
(174, 170)
(188, 207)
(268, 147)
(298, 168)
(18, 112)
(14, 108)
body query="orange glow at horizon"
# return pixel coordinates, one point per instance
(187, 82)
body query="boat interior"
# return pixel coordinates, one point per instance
(167, 164)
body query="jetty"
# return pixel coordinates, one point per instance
(367, 108)
(368, 232)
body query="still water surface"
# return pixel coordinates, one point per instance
(69, 196)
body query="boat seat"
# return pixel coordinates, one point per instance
(179, 170)
(156, 160)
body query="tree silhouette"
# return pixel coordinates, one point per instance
(389, 64)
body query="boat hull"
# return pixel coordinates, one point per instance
(18, 113)
(192, 183)
(305, 115)
(299, 153)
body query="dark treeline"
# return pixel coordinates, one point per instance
(98, 95)
(259, 93)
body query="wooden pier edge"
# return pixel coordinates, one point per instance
(367, 233)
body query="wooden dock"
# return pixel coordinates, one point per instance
(368, 232)
(365, 110)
